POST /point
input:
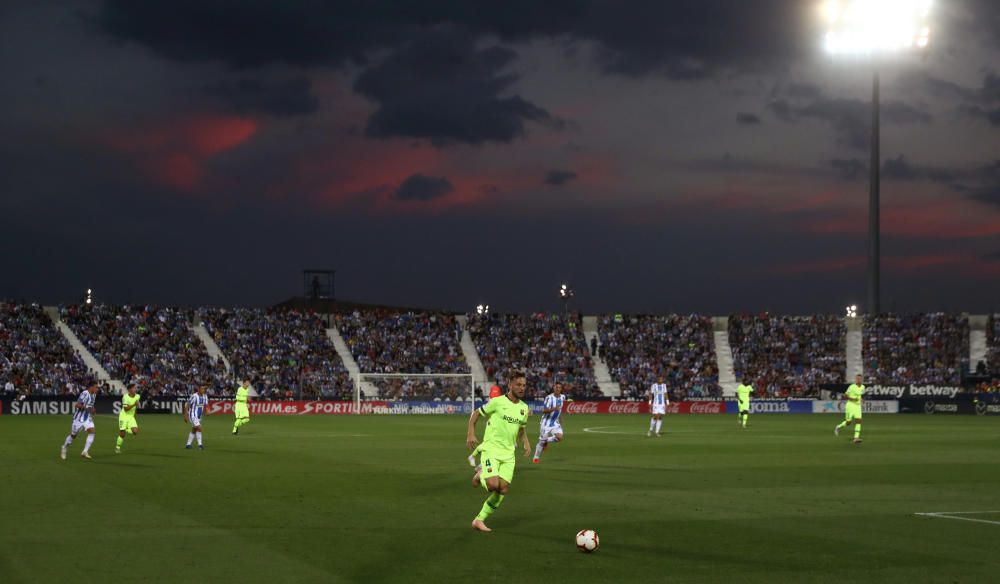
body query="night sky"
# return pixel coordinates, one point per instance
(658, 156)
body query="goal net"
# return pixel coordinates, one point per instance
(454, 389)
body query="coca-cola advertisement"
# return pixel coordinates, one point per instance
(642, 407)
(697, 407)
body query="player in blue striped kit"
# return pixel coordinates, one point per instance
(551, 430)
(83, 419)
(658, 402)
(193, 410)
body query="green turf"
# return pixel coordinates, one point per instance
(387, 499)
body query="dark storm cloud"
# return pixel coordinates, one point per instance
(901, 169)
(424, 188)
(252, 34)
(443, 88)
(981, 102)
(987, 190)
(682, 41)
(850, 118)
(293, 97)
(747, 118)
(559, 177)
(850, 168)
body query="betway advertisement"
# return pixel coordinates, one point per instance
(903, 391)
(881, 406)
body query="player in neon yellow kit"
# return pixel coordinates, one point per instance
(852, 409)
(242, 406)
(743, 392)
(126, 417)
(508, 416)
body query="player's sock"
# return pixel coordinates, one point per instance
(658, 424)
(857, 431)
(842, 424)
(69, 440)
(745, 417)
(90, 440)
(538, 448)
(491, 505)
(119, 442)
(652, 424)
(198, 434)
(552, 439)
(190, 438)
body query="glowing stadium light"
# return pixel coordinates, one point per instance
(482, 309)
(852, 311)
(89, 297)
(867, 27)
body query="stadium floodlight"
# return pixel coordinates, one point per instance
(852, 311)
(869, 27)
(482, 309)
(566, 293)
(89, 297)
(875, 28)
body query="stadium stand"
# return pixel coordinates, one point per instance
(930, 348)
(284, 353)
(639, 347)
(35, 359)
(149, 345)
(388, 341)
(549, 347)
(993, 345)
(788, 356)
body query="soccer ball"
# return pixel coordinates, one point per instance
(587, 541)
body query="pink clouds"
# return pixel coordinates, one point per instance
(175, 152)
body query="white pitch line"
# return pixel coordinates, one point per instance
(951, 515)
(601, 430)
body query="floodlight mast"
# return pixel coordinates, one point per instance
(872, 28)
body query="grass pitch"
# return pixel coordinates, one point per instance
(387, 499)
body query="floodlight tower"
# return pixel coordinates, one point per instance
(872, 29)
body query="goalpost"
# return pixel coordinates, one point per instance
(426, 387)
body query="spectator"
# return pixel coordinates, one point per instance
(280, 351)
(149, 345)
(388, 341)
(788, 356)
(928, 348)
(35, 358)
(639, 348)
(549, 347)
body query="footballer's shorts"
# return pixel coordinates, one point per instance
(550, 429)
(493, 467)
(658, 409)
(195, 422)
(78, 427)
(126, 424)
(241, 410)
(852, 411)
(744, 407)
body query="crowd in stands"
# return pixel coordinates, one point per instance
(283, 353)
(930, 348)
(151, 346)
(993, 345)
(639, 348)
(549, 347)
(387, 341)
(35, 358)
(788, 356)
